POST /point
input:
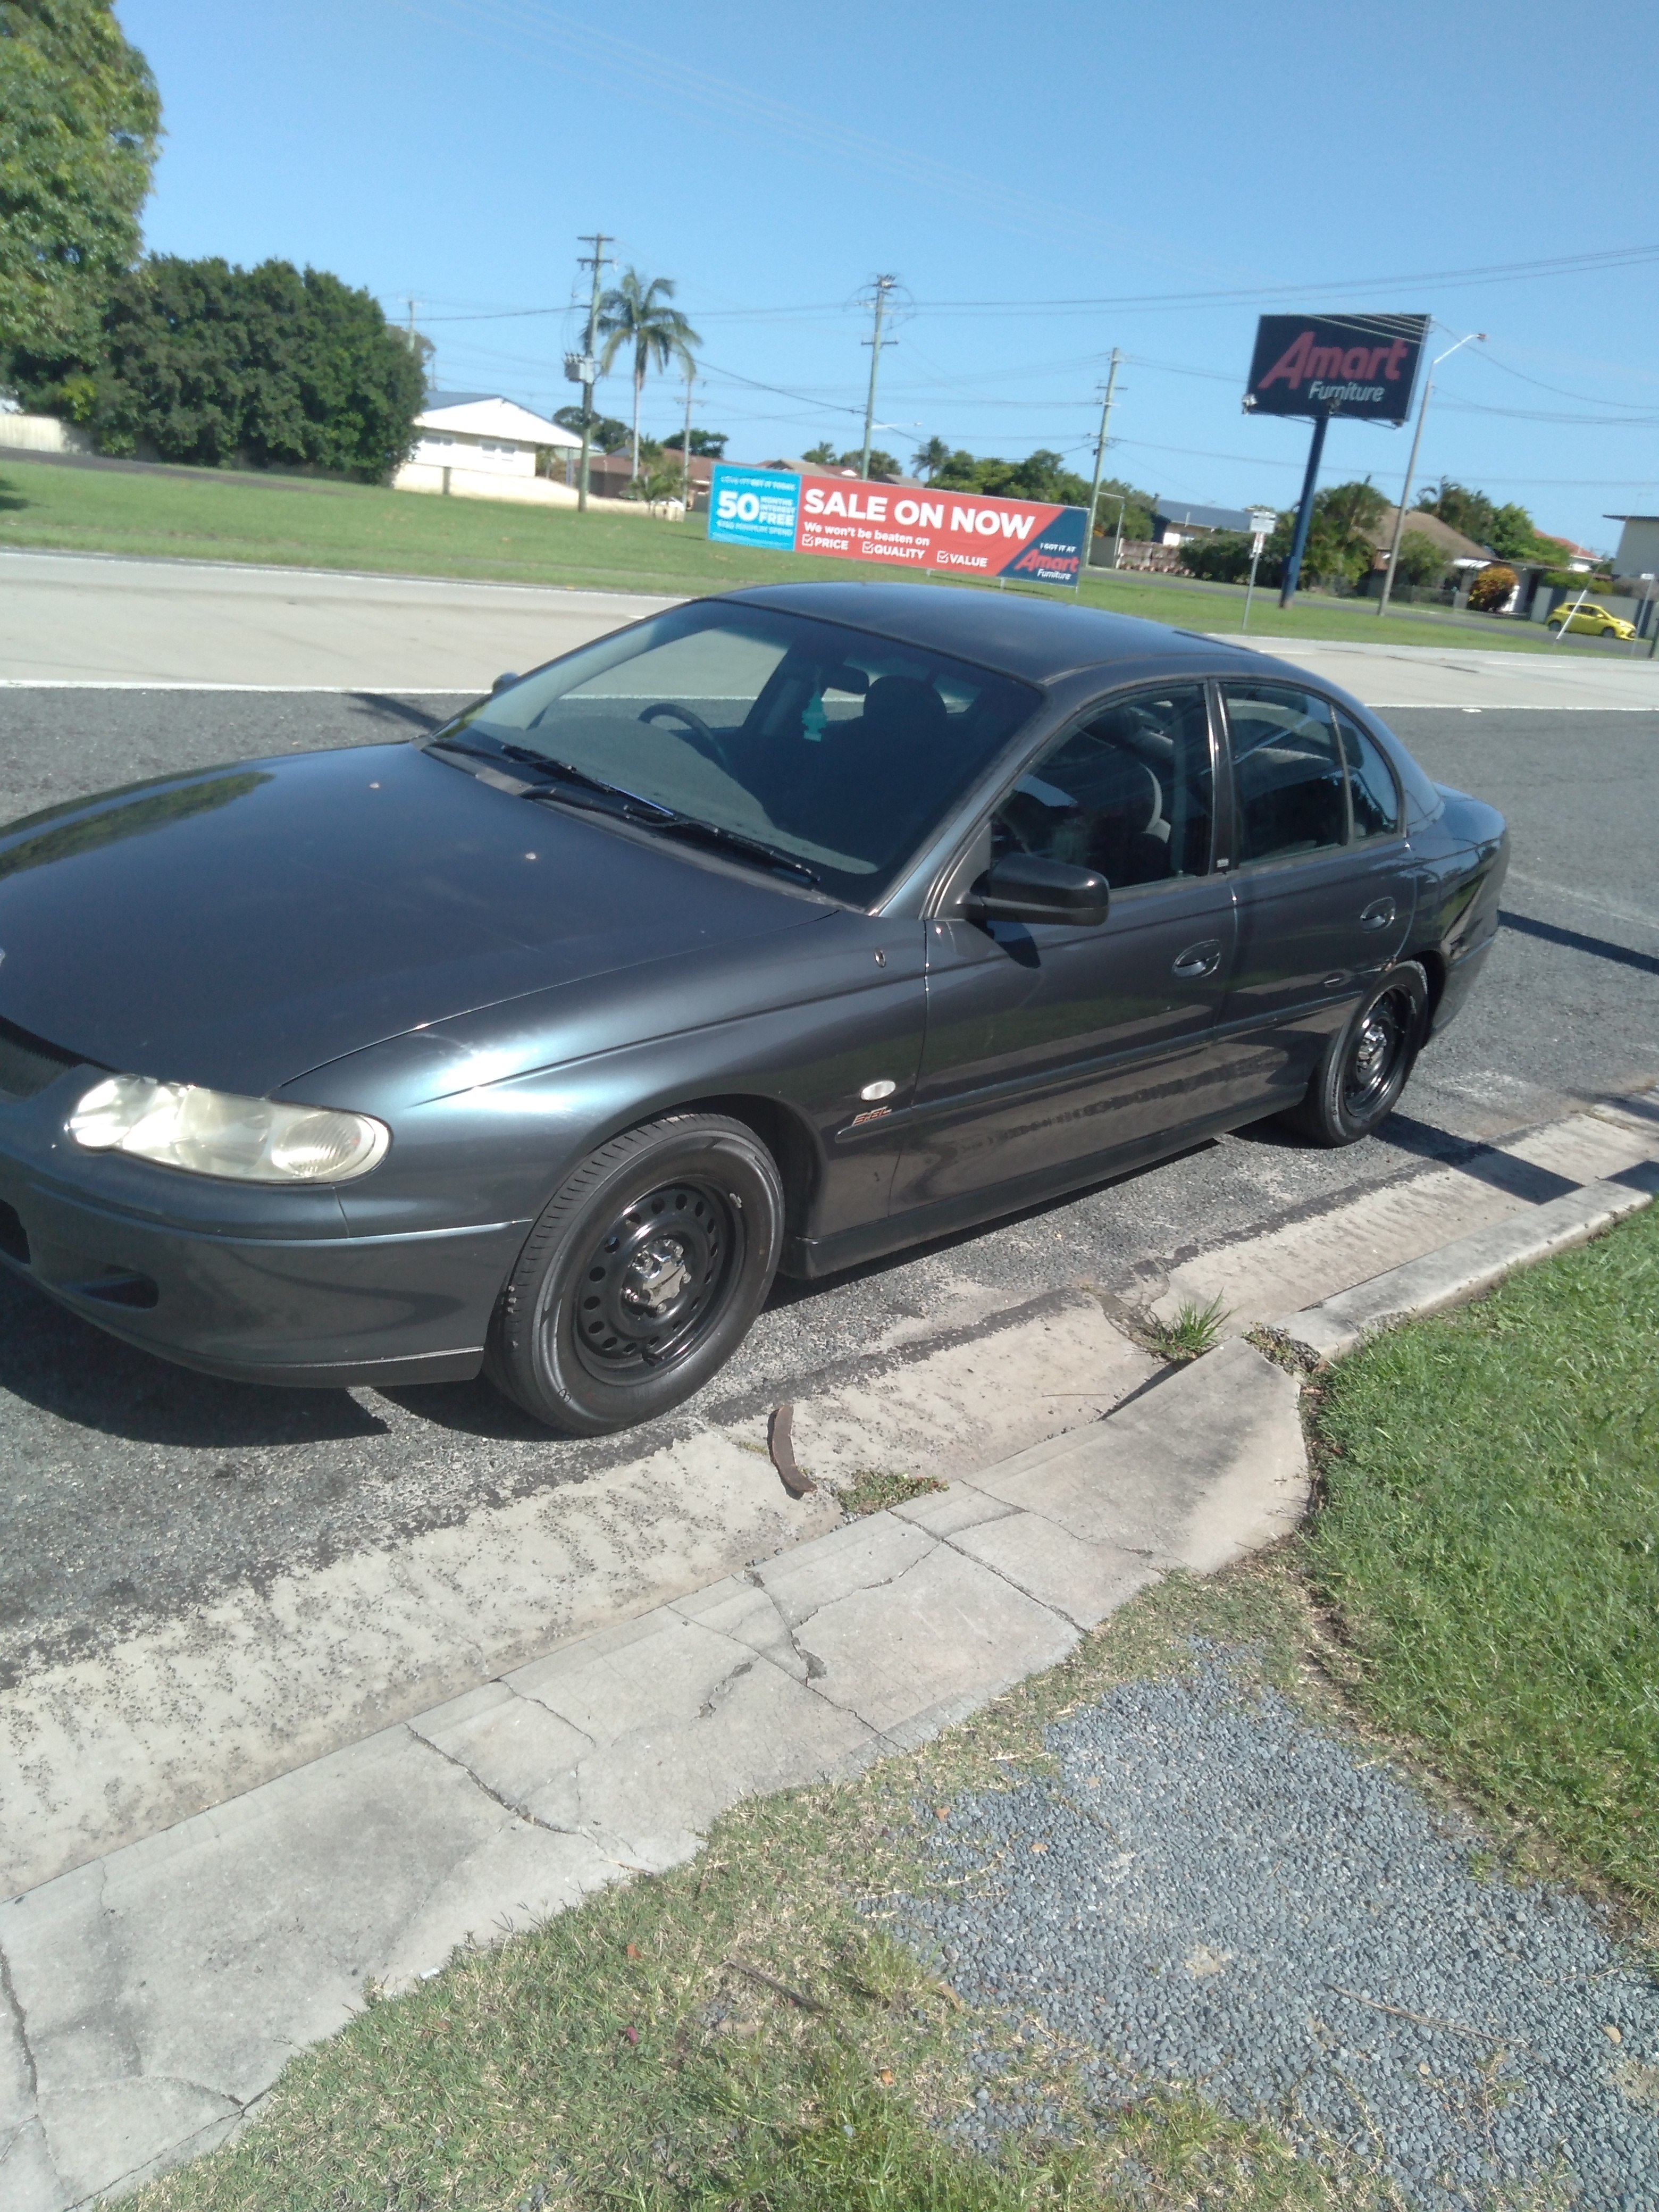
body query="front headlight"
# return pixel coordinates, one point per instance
(211, 1132)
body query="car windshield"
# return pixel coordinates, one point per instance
(836, 749)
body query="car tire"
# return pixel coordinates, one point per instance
(641, 1278)
(1365, 1067)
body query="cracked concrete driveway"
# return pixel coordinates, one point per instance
(134, 1494)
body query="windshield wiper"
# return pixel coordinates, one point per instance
(734, 841)
(650, 813)
(556, 771)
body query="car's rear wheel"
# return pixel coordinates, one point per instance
(1363, 1068)
(642, 1276)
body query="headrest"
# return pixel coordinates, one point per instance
(902, 710)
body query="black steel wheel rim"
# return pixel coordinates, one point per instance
(656, 1279)
(1376, 1054)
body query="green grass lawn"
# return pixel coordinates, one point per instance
(1491, 1543)
(211, 515)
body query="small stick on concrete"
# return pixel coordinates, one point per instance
(795, 1481)
(795, 1996)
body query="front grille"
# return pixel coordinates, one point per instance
(28, 1064)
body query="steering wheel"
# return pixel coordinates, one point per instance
(708, 745)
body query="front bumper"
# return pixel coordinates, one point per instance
(255, 1284)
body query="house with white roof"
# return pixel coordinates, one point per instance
(482, 430)
(478, 444)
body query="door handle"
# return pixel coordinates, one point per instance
(1378, 914)
(1199, 960)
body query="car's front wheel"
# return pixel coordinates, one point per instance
(1363, 1069)
(642, 1276)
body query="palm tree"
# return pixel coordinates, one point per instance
(931, 457)
(637, 315)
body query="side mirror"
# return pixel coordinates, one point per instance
(503, 682)
(1021, 887)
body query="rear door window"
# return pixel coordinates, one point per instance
(1289, 780)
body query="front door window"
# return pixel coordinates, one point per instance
(1128, 794)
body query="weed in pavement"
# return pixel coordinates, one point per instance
(1490, 1544)
(873, 1489)
(1195, 1330)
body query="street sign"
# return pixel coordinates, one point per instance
(961, 533)
(1362, 368)
(1264, 521)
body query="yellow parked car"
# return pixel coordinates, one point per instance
(1593, 620)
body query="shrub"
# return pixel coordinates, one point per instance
(1491, 588)
(1421, 560)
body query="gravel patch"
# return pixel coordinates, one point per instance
(1212, 1891)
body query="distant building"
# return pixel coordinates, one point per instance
(1638, 546)
(482, 431)
(1458, 551)
(1174, 522)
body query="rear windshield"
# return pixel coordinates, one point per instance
(840, 749)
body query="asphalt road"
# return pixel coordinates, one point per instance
(131, 1491)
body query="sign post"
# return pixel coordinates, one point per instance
(1263, 522)
(850, 518)
(1364, 366)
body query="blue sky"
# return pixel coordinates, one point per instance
(1047, 182)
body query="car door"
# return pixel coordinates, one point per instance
(1324, 878)
(1049, 1047)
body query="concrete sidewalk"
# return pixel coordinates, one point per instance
(107, 618)
(117, 619)
(152, 1994)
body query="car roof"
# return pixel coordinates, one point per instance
(1012, 632)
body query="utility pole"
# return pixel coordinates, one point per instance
(1100, 459)
(586, 367)
(685, 450)
(883, 286)
(1387, 593)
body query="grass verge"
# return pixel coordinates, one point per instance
(740, 2034)
(210, 514)
(737, 2033)
(1490, 1545)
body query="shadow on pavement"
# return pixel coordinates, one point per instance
(52, 1360)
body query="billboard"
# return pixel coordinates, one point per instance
(964, 533)
(1361, 367)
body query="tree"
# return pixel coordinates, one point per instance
(883, 466)
(1042, 475)
(707, 445)
(1421, 560)
(1459, 509)
(79, 120)
(635, 317)
(930, 458)
(605, 433)
(1135, 517)
(203, 361)
(823, 456)
(1342, 537)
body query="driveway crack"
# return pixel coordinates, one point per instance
(14, 2007)
(495, 1796)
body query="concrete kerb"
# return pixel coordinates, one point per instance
(149, 1998)
(1465, 1268)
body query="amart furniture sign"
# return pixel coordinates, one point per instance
(1358, 365)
